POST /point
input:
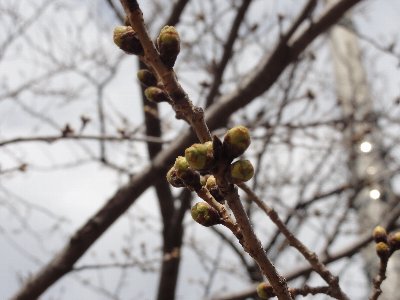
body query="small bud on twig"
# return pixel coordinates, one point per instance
(394, 241)
(383, 250)
(203, 180)
(146, 77)
(241, 170)
(200, 156)
(168, 43)
(265, 291)
(181, 165)
(126, 39)
(211, 182)
(236, 141)
(190, 178)
(173, 178)
(379, 234)
(67, 130)
(156, 94)
(204, 214)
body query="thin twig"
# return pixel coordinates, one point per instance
(56, 138)
(311, 257)
(181, 103)
(378, 280)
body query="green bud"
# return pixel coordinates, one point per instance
(241, 170)
(126, 39)
(181, 165)
(214, 190)
(189, 177)
(265, 291)
(156, 94)
(199, 156)
(211, 182)
(204, 214)
(173, 179)
(383, 250)
(236, 141)
(203, 180)
(168, 43)
(146, 77)
(394, 241)
(379, 234)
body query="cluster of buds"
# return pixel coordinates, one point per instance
(201, 164)
(236, 142)
(385, 244)
(168, 45)
(183, 175)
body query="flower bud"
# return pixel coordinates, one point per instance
(379, 234)
(214, 190)
(204, 214)
(265, 291)
(211, 182)
(241, 170)
(168, 43)
(146, 77)
(383, 250)
(203, 180)
(394, 241)
(156, 94)
(173, 178)
(236, 141)
(199, 156)
(126, 39)
(181, 166)
(189, 177)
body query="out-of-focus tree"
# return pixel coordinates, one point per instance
(80, 145)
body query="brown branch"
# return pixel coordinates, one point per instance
(228, 48)
(252, 271)
(304, 14)
(347, 251)
(172, 244)
(172, 217)
(378, 280)
(310, 256)
(181, 103)
(307, 290)
(252, 245)
(194, 116)
(176, 12)
(272, 66)
(227, 221)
